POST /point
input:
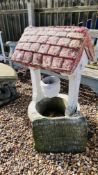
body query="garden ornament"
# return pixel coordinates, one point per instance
(65, 50)
(8, 90)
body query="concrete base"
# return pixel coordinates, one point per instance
(8, 93)
(54, 132)
(7, 74)
(8, 78)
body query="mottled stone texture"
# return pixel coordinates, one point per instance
(8, 93)
(8, 78)
(60, 135)
(58, 49)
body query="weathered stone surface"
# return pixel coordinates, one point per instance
(8, 93)
(55, 132)
(7, 73)
(58, 49)
(7, 84)
(60, 135)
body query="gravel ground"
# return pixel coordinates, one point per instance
(17, 153)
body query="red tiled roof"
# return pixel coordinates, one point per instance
(58, 49)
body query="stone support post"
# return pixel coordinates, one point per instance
(37, 94)
(74, 84)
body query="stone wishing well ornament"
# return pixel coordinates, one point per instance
(57, 127)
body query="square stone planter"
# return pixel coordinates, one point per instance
(54, 132)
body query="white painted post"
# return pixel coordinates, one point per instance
(74, 84)
(31, 17)
(37, 94)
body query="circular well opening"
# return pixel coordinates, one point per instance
(51, 107)
(48, 81)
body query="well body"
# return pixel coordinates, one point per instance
(57, 134)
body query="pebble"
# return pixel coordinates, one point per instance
(17, 153)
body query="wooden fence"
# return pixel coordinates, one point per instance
(65, 12)
(14, 18)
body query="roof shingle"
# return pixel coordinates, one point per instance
(58, 49)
